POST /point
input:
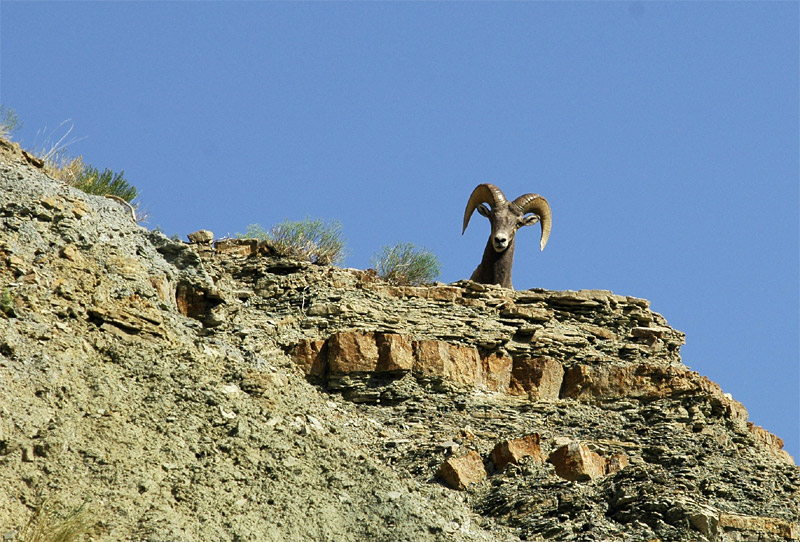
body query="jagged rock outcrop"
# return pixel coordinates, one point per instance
(213, 391)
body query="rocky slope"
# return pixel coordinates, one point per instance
(215, 392)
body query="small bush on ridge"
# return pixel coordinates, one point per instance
(405, 264)
(107, 183)
(312, 240)
(70, 170)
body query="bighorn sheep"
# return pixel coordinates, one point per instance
(506, 218)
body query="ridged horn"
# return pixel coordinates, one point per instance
(483, 193)
(536, 204)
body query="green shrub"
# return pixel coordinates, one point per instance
(65, 168)
(406, 264)
(312, 240)
(7, 304)
(107, 183)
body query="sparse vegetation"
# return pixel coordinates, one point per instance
(312, 240)
(406, 264)
(46, 526)
(7, 303)
(174, 237)
(107, 183)
(9, 122)
(53, 147)
(70, 170)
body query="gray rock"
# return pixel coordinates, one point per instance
(158, 382)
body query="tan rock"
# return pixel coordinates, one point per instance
(575, 462)
(311, 356)
(735, 410)
(461, 364)
(701, 516)
(465, 365)
(513, 450)
(764, 436)
(496, 370)
(535, 314)
(50, 202)
(756, 525)
(581, 298)
(395, 353)
(616, 463)
(584, 381)
(242, 248)
(773, 443)
(200, 236)
(128, 321)
(531, 296)
(79, 209)
(443, 293)
(429, 357)
(72, 253)
(352, 352)
(260, 382)
(600, 332)
(539, 378)
(195, 301)
(127, 266)
(325, 309)
(161, 285)
(645, 381)
(651, 381)
(16, 262)
(461, 472)
(650, 333)
(33, 160)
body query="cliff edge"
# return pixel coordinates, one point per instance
(213, 391)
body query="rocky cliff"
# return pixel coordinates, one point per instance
(212, 391)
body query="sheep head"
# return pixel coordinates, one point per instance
(505, 217)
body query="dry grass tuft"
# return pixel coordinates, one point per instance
(47, 526)
(313, 240)
(406, 264)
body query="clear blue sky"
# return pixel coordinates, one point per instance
(664, 134)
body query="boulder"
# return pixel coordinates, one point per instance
(514, 450)
(575, 462)
(463, 471)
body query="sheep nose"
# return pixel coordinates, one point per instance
(500, 242)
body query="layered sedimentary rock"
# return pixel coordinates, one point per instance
(213, 391)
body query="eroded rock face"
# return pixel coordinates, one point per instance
(603, 365)
(213, 391)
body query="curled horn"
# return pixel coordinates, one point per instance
(483, 193)
(536, 204)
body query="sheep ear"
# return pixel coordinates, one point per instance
(484, 210)
(530, 220)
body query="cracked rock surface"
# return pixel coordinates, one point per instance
(211, 391)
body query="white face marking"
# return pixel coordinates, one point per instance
(504, 227)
